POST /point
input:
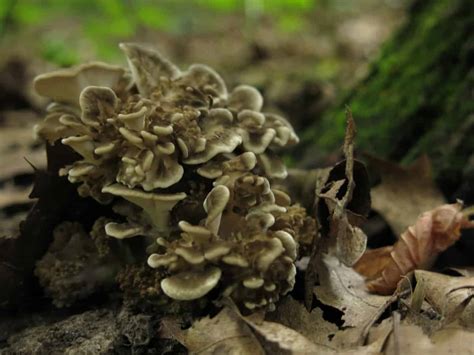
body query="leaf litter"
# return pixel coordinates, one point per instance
(369, 323)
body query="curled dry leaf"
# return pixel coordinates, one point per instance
(343, 200)
(450, 296)
(345, 239)
(417, 248)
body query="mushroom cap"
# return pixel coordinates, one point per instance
(243, 162)
(191, 285)
(272, 165)
(288, 242)
(65, 85)
(220, 136)
(95, 102)
(122, 230)
(194, 230)
(133, 194)
(216, 201)
(214, 205)
(204, 77)
(245, 97)
(148, 67)
(157, 260)
(269, 256)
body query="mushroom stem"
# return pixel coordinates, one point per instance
(156, 206)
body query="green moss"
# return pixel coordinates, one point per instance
(417, 94)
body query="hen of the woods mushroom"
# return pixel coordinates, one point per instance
(186, 164)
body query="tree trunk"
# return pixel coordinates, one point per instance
(418, 97)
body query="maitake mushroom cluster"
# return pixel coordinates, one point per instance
(158, 144)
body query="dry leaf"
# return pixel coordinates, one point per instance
(287, 339)
(341, 287)
(346, 206)
(433, 232)
(411, 340)
(19, 255)
(226, 333)
(345, 240)
(450, 296)
(11, 195)
(405, 192)
(16, 143)
(313, 326)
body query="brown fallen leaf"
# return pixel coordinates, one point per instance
(411, 340)
(313, 326)
(19, 254)
(450, 296)
(16, 143)
(343, 288)
(226, 333)
(405, 192)
(345, 200)
(287, 339)
(417, 248)
(11, 195)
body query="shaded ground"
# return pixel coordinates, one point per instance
(301, 74)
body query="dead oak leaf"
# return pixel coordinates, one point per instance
(325, 334)
(343, 288)
(405, 192)
(285, 339)
(312, 325)
(225, 333)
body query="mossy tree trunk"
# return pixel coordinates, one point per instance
(418, 96)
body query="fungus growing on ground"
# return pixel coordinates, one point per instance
(254, 263)
(184, 162)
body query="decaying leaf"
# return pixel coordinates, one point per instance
(343, 206)
(12, 195)
(321, 332)
(411, 340)
(286, 339)
(226, 333)
(341, 287)
(405, 192)
(345, 239)
(450, 296)
(312, 325)
(19, 255)
(418, 247)
(15, 144)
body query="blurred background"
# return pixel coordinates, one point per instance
(302, 54)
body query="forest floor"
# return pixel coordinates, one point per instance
(300, 76)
